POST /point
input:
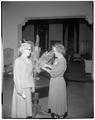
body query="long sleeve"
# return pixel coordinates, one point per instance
(17, 76)
(58, 69)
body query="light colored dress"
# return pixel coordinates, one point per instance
(23, 82)
(57, 100)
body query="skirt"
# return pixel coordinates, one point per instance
(21, 108)
(57, 100)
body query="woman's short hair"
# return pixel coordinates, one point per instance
(26, 45)
(60, 48)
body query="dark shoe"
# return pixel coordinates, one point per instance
(65, 114)
(52, 115)
(57, 116)
(29, 117)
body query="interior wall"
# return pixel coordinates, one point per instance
(14, 13)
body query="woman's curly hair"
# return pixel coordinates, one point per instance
(60, 48)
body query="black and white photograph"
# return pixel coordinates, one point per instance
(47, 59)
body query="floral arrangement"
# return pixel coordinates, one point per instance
(39, 61)
(46, 58)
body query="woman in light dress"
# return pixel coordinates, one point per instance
(57, 102)
(23, 83)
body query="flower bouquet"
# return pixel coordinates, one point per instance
(46, 58)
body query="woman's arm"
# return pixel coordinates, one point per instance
(48, 66)
(58, 69)
(17, 76)
(46, 69)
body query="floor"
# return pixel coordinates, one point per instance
(79, 97)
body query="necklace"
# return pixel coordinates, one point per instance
(27, 60)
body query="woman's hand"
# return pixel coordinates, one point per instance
(33, 89)
(24, 96)
(47, 65)
(46, 69)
